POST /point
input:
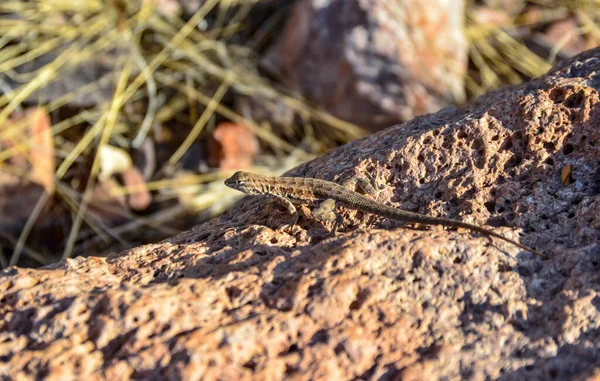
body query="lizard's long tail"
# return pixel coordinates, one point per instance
(370, 206)
(466, 225)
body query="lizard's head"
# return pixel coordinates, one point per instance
(243, 182)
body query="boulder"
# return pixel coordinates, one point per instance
(245, 297)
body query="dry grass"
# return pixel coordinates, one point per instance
(498, 52)
(176, 72)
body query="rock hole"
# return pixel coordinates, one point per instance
(480, 162)
(233, 292)
(457, 260)
(446, 143)
(490, 206)
(495, 138)
(422, 180)
(420, 158)
(315, 288)
(201, 237)
(568, 149)
(251, 364)
(274, 240)
(549, 146)
(361, 297)
(513, 162)
(553, 372)
(427, 140)
(524, 271)
(549, 161)
(462, 134)
(293, 348)
(503, 268)
(321, 336)
(508, 144)
(339, 349)
(469, 193)
(575, 100)
(438, 195)
(290, 369)
(557, 95)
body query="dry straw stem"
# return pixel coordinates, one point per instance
(497, 56)
(187, 59)
(104, 139)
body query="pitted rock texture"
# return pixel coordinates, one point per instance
(241, 297)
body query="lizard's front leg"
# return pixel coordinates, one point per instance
(287, 204)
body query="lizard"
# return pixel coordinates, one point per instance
(303, 190)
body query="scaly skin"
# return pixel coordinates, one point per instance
(307, 190)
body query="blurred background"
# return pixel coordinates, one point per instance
(120, 119)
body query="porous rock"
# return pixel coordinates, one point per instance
(242, 297)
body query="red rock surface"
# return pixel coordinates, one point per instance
(240, 298)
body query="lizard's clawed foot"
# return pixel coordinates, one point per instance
(325, 213)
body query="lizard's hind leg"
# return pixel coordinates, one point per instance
(325, 212)
(362, 183)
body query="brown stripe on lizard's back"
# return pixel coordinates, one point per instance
(298, 188)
